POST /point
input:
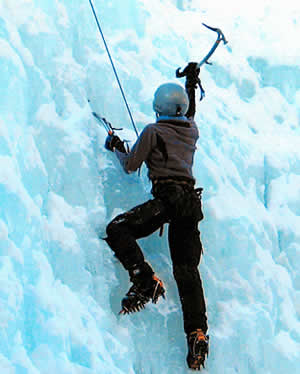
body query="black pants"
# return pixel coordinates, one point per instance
(179, 206)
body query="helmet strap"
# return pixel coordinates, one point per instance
(178, 111)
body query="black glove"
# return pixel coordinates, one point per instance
(192, 75)
(113, 142)
(179, 74)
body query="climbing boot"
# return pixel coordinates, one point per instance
(140, 293)
(198, 349)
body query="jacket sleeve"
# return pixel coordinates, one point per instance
(192, 102)
(139, 152)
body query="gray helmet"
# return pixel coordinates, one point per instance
(170, 99)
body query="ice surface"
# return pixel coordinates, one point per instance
(60, 286)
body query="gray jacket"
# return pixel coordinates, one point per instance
(167, 147)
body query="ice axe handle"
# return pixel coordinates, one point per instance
(220, 38)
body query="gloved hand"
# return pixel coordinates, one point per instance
(192, 75)
(113, 142)
(178, 73)
(193, 68)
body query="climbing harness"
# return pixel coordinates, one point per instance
(113, 67)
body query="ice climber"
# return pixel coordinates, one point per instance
(167, 147)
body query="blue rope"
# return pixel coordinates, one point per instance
(114, 69)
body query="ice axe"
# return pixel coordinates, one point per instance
(111, 131)
(107, 125)
(192, 70)
(220, 38)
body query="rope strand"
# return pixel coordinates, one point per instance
(114, 69)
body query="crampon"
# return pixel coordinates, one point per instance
(137, 296)
(198, 349)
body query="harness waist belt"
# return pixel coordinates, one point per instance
(179, 180)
